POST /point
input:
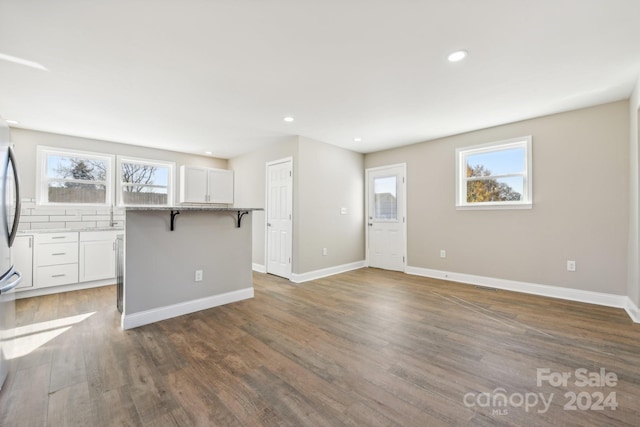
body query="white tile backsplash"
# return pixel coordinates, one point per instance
(66, 218)
(34, 217)
(96, 217)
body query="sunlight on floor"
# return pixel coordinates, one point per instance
(31, 337)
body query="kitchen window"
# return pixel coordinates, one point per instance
(497, 175)
(73, 177)
(144, 182)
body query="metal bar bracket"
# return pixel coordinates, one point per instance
(240, 215)
(173, 217)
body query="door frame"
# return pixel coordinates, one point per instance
(266, 213)
(367, 173)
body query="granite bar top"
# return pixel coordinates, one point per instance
(69, 230)
(191, 208)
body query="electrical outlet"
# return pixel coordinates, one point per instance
(324, 251)
(443, 253)
(571, 265)
(198, 275)
(343, 211)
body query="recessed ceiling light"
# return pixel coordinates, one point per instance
(288, 119)
(357, 139)
(458, 55)
(208, 152)
(12, 122)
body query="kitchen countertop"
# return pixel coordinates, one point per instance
(69, 230)
(190, 208)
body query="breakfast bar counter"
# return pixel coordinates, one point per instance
(182, 259)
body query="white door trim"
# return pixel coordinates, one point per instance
(367, 172)
(266, 214)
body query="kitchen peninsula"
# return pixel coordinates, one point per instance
(182, 259)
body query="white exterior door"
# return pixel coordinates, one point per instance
(386, 221)
(279, 218)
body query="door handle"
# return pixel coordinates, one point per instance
(268, 224)
(11, 285)
(370, 225)
(16, 216)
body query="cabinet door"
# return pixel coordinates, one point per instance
(193, 184)
(22, 252)
(97, 260)
(220, 186)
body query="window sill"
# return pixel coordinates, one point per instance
(493, 206)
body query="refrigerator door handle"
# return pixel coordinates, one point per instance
(16, 217)
(13, 284)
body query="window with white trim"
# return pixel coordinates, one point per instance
(73, 177)
(495, 175)
(143, 182)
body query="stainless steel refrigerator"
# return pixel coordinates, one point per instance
(9, 277)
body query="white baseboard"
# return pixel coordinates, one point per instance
(259, 268)
(632, 310)
(37, 292)
(129, 321)
(317, 274)
(599, 298)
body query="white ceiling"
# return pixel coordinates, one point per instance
(219, 75)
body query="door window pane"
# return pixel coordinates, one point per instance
(385, 201)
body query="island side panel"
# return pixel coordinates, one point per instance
(160, 264)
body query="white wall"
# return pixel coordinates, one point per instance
(580, 211)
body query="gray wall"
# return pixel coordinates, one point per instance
(329, 179)
(633, 256)
(160, 264)
(250, 186)
(26, 142)
(580, 211)
(325, 178)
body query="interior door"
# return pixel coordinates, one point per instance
(279, 218)
(386, 221)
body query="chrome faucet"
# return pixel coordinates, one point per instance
(112, 223)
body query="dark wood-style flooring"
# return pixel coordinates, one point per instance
(364, 348)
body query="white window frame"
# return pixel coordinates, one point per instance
(461, 174)
(42, 181)
(171, 185)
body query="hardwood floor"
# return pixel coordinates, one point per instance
(364, 348)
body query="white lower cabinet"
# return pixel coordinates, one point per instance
(22, 253)
(97, 255)
(56, 259)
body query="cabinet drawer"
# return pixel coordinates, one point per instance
(94, 236)
(55, 275)
(57, 253)
(57, 237)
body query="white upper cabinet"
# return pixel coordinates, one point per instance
(205, 185)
